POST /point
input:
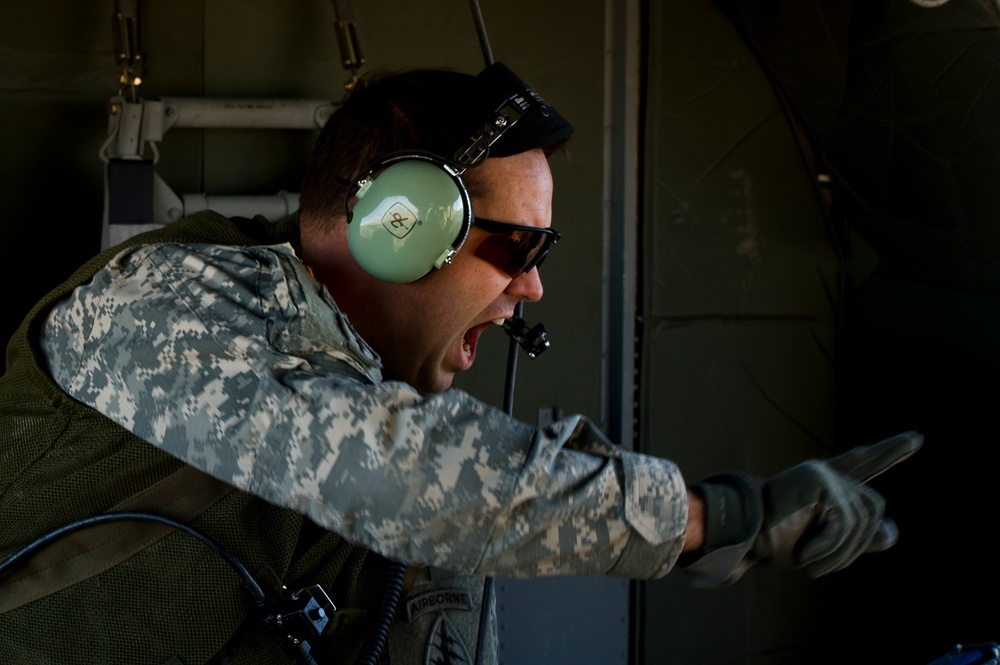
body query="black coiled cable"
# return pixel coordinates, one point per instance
(386, 610)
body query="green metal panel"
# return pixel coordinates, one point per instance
(741, 284)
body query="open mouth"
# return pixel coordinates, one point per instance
(471, 338)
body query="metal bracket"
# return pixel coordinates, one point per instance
(351, 56)
(136, 127)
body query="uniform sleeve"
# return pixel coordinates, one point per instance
(237, 362)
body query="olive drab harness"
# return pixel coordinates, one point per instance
(295, 618)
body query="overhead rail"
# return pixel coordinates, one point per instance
(136, 198)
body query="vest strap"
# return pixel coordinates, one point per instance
(183, 496)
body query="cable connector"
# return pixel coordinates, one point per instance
(299, 617)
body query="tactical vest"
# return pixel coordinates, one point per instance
(142, 592)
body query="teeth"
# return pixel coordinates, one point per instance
(498, 322)
(466, 347)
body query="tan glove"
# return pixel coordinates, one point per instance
(817, 516)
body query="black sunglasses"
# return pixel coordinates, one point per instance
(514, 248)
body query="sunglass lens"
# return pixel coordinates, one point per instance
(514, 252)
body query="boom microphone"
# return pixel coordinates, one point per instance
(533, 340)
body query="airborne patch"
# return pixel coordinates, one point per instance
(445, 645)
(438, 599)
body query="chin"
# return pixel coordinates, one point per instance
(439, 386)
(436, 383)
(434, 374)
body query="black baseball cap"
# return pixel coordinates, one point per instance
(540, 125)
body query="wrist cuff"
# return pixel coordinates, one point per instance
(733, 517)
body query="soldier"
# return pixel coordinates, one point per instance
(286, 389)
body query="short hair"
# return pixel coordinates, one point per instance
(427, 110)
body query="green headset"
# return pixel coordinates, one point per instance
(412, 212)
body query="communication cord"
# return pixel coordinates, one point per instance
(248, 580)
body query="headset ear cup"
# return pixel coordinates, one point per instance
(408, 219)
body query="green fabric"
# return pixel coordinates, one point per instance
(175, 598)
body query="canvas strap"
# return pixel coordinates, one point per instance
(182, 496)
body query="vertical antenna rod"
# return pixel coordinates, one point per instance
(484, 40)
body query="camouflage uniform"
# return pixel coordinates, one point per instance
(236, 361)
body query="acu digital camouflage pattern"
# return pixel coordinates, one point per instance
(236, 361)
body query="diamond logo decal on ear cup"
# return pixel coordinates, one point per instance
(399, 220)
